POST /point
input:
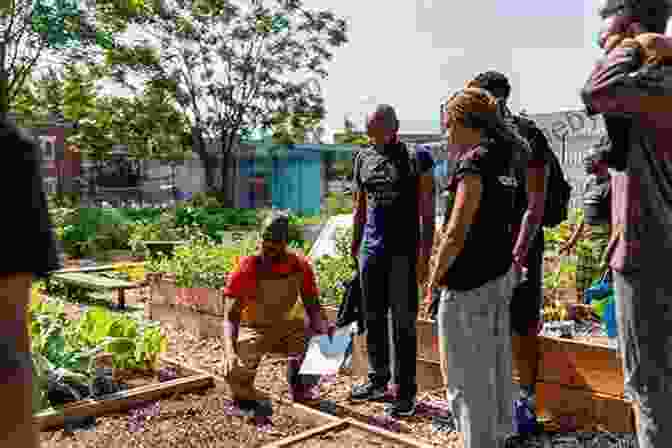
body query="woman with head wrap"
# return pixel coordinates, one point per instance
(474, 270)
(593, 231)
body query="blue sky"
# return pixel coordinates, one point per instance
(410, 53)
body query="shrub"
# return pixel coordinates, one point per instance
(204, 200)
(202, 262)
(89, 230)
(338, 204)
(161, 229)
(334, 272)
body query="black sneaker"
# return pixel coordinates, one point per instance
(245, 408)
(401, 408)
(368, 392)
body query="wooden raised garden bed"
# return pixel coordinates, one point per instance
(577, 381)
(198, 310)
(188, 381)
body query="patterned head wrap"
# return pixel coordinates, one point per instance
(276, 227)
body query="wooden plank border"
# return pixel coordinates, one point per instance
(288, 441)
(345, 424)
(106, 267)
(123, 400)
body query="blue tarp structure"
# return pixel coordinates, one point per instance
(290, 175)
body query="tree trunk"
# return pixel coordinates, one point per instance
(226, 181)
(200, 148)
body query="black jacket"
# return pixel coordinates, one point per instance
(350, 309)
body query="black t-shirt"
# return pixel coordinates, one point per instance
(487, 252)
(26, 228)
(390, 185)
(597, 200)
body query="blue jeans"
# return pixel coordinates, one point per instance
(389, 284)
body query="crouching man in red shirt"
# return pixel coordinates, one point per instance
(261, 294)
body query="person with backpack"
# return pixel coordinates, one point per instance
(541, 201)
(474, 269)
(634, 96)
(592, 233)
(393, 234)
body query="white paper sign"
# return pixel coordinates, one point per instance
(324, 357)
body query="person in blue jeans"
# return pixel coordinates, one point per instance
(393, 234)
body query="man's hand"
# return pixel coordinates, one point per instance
(230, 362)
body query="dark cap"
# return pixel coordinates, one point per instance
(276, 227)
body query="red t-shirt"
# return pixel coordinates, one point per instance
(242, 283)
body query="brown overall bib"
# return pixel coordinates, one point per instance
(269, 329)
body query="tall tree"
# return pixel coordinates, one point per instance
(291, 128)
(235, 68)
(148, 123)
(34, 32)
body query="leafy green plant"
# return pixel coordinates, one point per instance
(72, 345)
(162, 228)
(333, 272)
(202, 262)
(145, 214)
(204, 200)
(338, 204)
(89, 230)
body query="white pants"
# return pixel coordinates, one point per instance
(476, 360)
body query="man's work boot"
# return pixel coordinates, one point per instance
(401, 408)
